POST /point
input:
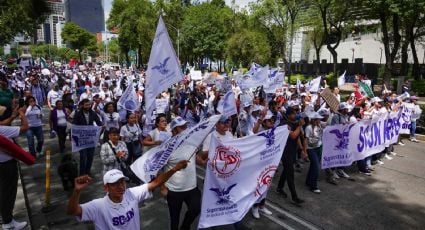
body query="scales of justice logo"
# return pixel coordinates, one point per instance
(265, 180)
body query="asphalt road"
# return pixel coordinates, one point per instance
(392, 198)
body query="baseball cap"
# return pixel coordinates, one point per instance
(113, 176)
(375, 99)
(323, 112)
(223, 119)
(178, 121)
(269, 115)
(315, 115)
(414, 98)
(343, 106)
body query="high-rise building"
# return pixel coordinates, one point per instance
(88, 14)
(50, 31)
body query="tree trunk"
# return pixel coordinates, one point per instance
(318, 60)
(335, 59)
(416, 70)
(79, 55)
(291, 41)
(386, 41)
(139, 54)
(404, 56)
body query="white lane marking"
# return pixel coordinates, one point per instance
(279, 222)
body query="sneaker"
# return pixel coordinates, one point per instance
(380, 162)
(335, 175)
(266, 211)
(400, 143)
(317, 191)
(367, 173)
(388, 157)
(255, 213)
(393, 153)
(281, 192)
(414, 140)
(15, 225)
(297, 200)
(342, 174)
(370, 168)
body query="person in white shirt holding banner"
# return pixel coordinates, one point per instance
(119, 209)
(416, 114)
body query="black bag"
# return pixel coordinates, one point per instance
(125, 168)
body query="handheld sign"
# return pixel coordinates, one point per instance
(330, 98)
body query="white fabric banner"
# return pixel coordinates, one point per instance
(314, 85)
(341, 79)
(228, 192)
(147, 166)
(163, 67)
(344, 144)
(259, 78)
(84, 136)
(275, 80)
(129, 99)
(227, 104)
(406, 118)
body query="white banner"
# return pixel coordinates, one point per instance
(344, 144)
(227, 104)
(147, 166)
(84, 136)
(314, 85)
(275, 80)
(259, 78)
(163, 67)
(229, 192)
(406, 118)
(129, 99)
(341, 79)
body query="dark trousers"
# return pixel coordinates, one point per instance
(61, 131)
(8, 189)
(313, 171)
(38, 133)
(86, 160)
(192, 199)
(288, 175)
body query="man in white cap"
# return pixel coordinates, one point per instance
(119, 209)
(182, 186)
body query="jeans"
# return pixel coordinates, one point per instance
(192, 199)
(61, 132)
(86, 160)
(413, 130)
(313, 171)
(8, 189)
(38, 133)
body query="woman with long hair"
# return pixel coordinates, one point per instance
(58, 121)
(34, 116)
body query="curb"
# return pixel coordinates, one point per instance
(420, 137)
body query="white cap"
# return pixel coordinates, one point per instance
(315, 115)
(293, 103)
(113, 176)
(178, 121)
(323, 112)
(292, 87)
(342, 106)
(256, 108)
(303, 94)
(375, 99)
(269, 115)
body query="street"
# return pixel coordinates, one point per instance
(392, 198)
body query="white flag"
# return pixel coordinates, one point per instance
(227, 104)
(314, 85)
(163, 67)
(147, 166)
(229, 192)
(298, 85)
(259, 78)
(129, 99)
(84, 136)
(341, 79)
(275, 80)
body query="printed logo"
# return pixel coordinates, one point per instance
(223, 194)
(151, 162)
(130, 105)
(342, 138)
(226, 161)
(265, 180)
(162, 67)
(270, 137)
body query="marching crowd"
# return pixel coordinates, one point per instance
(89, 96)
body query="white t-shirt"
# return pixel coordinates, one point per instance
(111, 120)
(53, 96)
(313, 136)
(185, 179)
(34, 116)
(109, 215)
(9, 132)
(61, 118)
(207, 141)
(130, 133)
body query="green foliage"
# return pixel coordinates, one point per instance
(78, 38)
(419, 87)
(20, 16)
(247, 46)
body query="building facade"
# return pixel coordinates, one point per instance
(88, 14)
(50, 31)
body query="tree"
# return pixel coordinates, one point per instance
(336, 17)
(78, 38)
(20, 16)
(248, 46)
